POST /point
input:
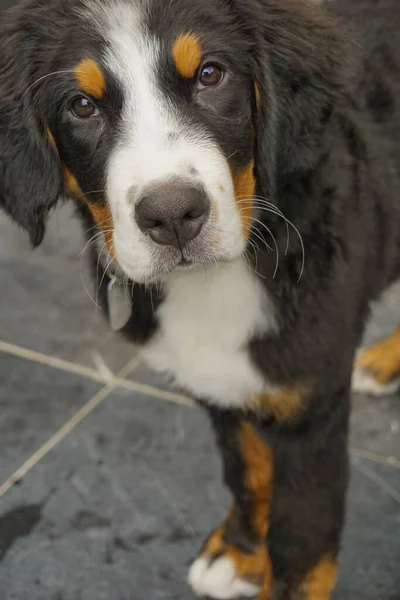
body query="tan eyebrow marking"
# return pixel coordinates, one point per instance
(186, 52)
(90, 78)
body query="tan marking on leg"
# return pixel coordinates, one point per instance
(255, 567)
(258, 459)
(90, 78)
(283, 405)
(265, 591)
(382, 360)
(320, 581)
(244, 184)
(186, 53)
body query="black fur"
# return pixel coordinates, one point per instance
(30, 173)
(327, 154)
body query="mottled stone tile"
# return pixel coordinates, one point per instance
(375, 425)
(122, 506)
(44, 305)
(35, 401)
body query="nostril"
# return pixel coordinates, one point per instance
(145, 218)
(192, 215)
(155, 223)
(196, 213)
(172, 214)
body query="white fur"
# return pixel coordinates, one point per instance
(205, 323)
(145, 153)
(218, 580)
(364, 383)
(209, 315)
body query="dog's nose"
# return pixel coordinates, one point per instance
(173, 213)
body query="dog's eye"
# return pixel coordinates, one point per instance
(210, 75)
(84, 109)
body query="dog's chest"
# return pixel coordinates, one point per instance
(205, 324)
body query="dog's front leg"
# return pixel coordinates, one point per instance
(234, 560)
(281, 538)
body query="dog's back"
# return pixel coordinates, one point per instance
(376, 24)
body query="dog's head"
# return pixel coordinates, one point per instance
(166, 118)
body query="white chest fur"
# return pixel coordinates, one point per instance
(206, 322)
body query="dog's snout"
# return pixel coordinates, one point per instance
(173, 213)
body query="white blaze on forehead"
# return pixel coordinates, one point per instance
(149, 122)
(153, 131)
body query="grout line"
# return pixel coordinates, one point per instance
(111, 384)
(149, 390)
(53, 361)
(77, 418)
(384, 460)
(56, 438)
(118, 380)
(384, 486)
(128, 368)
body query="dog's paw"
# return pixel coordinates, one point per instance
(223, 572)
(217, 578)
(364, 382)
(377, 368)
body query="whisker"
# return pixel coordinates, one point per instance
(262, 239)
(45, 77)
(82, 279)
(151, 300)
(94, 239)
(88, 193)
(299, 236)
(98, 225)
(91, 241)
(233, 154)
(109, 263)
(126, 289)
(275, 210)
(97, 269)
(248, 261)
(249, 218)
(268, 206)
(29, 89)
(275, 243)
(86, 289)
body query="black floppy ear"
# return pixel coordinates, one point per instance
(30, 171)
(301, 73)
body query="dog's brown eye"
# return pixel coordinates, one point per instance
(84, 109)
(210, 75)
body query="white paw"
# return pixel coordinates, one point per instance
(364, 383)
(218, 580)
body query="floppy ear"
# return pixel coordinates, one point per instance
(30, 171)
(301, 73)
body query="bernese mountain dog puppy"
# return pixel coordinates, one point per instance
(240, 162)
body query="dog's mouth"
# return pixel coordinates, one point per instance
(184, 262)
(168, 261)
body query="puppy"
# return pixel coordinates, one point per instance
(240, 160)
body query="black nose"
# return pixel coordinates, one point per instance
(173, 213)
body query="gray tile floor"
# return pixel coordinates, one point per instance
(117, 479)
